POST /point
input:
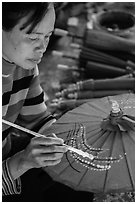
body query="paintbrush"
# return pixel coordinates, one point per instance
(72, 149)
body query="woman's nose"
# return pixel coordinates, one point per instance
(42, 46)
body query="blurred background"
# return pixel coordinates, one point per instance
(91, 54)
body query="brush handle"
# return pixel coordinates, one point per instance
(22, 128)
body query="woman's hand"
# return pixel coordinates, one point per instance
(40, 152)
(43, 151)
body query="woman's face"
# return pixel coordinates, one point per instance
(26, 50)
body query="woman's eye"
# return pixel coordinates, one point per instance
(33, 39)
(47, 37)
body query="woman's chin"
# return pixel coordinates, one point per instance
(28, 65)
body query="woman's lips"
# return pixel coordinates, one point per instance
(35, 60)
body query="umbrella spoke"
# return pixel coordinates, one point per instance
(85, 114)
(82, 177)
(116, 148)
(92, 128)
(98, 107)
(79, 120)
(69, 138)
(128, 147)
(94, 133)
(110, 155)
(131, 136)
(95, 112)
(99, 140)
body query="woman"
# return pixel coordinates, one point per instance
(26, 30)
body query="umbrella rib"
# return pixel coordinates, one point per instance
(97, 107)
(131, 138)
(95, 125)
(95, 134)
(98, 135)
(87, 121)
(94, 130)
(106, 173)
(130, 176)
(99, 138)
(84, 121)
(75, 113)
(82, 177)
(66, 167)
(69, 163)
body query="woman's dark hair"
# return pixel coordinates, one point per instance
(13, 12)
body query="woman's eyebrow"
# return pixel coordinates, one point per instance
(39, 33)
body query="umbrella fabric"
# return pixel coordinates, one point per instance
(111, 144)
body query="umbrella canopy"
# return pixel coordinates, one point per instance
(107, 133)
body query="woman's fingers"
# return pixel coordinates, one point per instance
(47, 140)
(49, 157)
(51, 163)
(49, 149)
(44, 151)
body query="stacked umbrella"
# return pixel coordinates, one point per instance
(109, 47)
(100, 64)
(83, 91)
(98, 88)
(106, 64)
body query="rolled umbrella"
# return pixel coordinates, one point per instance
(95, 94)
(108, 84)
(91, 54)
(68, 103)
(104, 128)
(120, 54)
(102, 84)
(87, 84)
(105, 41)
(113, 69)
(104, 69)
